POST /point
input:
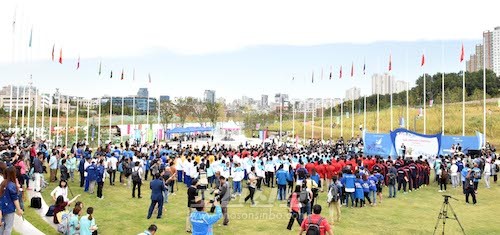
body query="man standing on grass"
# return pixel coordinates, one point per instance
(53, 166)
(157, 187)
(315, 224)
(100, 178)
(224, 197)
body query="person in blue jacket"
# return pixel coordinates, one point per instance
(281, 179)
(81, 169)
(202, 221)
(373, 181)
(157, 187)
(100, 178)
(359, 195)
(92, 176)
(366, 189)
(464, 172)
(9, 200)
(347, 181)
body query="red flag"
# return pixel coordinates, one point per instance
(122, 75)
(423, 61)
(340, 75)
(462, 55)
(53, 48)
(78, 63)
(352, 70)
(60, 56)
(390, 62)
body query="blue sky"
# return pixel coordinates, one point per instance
(249, 71)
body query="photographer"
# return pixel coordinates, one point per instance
(202, 221)
(192, 193)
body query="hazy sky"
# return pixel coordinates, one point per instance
(234, 47)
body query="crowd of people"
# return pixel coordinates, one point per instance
(299, 174)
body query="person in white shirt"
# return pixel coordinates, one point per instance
(112, 166)
(61, 190)
(487, 173)
(454, 174)
(179, 169)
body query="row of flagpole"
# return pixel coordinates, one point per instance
(424, 103)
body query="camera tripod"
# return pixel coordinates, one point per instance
(443, 214)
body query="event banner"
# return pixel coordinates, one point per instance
(416, 144)
(378, 144)
(466, 142)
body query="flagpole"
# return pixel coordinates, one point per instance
(341, 118)
(22, 111)
(77, 114)
(281, 117)
(10, 106)
(35, 117)
(463, 101)
(364, 113)
(13, 62)
(99, 124)
(312, 116)
(111, 116)
(58, 117)
(352, 110)
(133, 113)
(305, 117)
(29, 108)
(322, 119)
(88, 121)
(484, 92)
(378, 110)
(67, 121)
(50, 117)
(123, 107)
(331, 119)
(159, 110)
(17, 107)
(43, 117)
(425, 101)
(391, 84)
(407, 94)
(442, 89)
(293, 119)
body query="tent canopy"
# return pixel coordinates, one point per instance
(231, 125)
(183, 130)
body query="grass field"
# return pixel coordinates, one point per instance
(412, 213)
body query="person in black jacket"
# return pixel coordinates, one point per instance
(38, 171)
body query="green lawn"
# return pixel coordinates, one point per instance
(413, 213)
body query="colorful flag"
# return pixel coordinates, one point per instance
(78, 63)
(390, 62)
(60, 56)
(111, 76)
(423, 61)
(331, 71)
(340, 75)
(431, 102)
(462, 55)
(99, 68)
(53, 48)
(31, 36)
(352, 70)
(122, 75)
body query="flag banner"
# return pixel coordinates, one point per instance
(390, 62)
(337, 121)
(364, 68)
(133, 75)
(401, 122)
(462, 54)
(99, 68)
(431, 102)
(422, 63)
(53, 48)
(149, 76)
(128, 129)
(331, 71)
(60, 56)
(312, 77)
(31, 36)
(322, 73)
(257, 126)
(111, 75)
(78, 63)
(420, 112)
(416, 144)
(122, 75)
(378, 144)
(340, 75)
(293, 78)
(352, 70)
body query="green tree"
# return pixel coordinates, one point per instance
(167, 112)
(212, 111)
(184, 108)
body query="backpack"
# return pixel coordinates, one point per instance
(302, 173)
(135, 176)
(313, 228)
(63, 226)
(304, 196)
(333, 194)
(120, 167)
(392, 179)
(128, 171)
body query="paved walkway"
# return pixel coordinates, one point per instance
(25, 227)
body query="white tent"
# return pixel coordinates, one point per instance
(230, 126)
